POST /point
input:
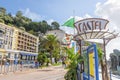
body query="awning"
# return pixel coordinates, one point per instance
(28, 54)
(33, 54)
(23, 54)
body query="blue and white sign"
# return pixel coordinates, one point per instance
(91, 63)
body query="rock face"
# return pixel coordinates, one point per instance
(115, 60)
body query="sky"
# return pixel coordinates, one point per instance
(58, 10)
(61, 10)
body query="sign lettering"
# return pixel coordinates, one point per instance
(90, 24)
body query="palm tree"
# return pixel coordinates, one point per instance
(73, 59)
(56, 54)
(51, 44)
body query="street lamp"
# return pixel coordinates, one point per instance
(4, 60)
(1, 64)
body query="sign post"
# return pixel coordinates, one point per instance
(92, 29)
(91, 64)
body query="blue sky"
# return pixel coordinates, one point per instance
(58, 10)
(61, 10)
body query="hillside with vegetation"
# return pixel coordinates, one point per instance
(25, 23)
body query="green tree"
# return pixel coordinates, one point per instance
(4, 17)
(56, 52)
(50, 44)
(42, 58)
(20, 20)
(19, 14)
(32, 32)
(55, 25)
(42, 42)
(2, 11)
(44, 27)
(72, 59)
(1, 20)
(8, 19)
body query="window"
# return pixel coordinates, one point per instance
(15, 56)
(9, 54)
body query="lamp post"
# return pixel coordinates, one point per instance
(110, 70)
(1, 64)
(4, 59)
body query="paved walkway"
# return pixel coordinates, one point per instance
(49, 73)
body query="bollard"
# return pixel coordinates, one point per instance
(110, 75)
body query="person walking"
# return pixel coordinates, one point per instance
(36, 64)
(21, 65)
(6, 67)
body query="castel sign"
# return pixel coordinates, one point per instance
(92, 29)
(91, 24)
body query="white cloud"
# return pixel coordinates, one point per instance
(35, 17)
(32, 15)
(50, 21)
(111, 11)
(87, 16)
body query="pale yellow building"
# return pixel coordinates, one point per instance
(6, 36)
(24, 41)
(14, 41)
(17, 46)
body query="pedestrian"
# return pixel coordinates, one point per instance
(21, 65)
(63, 64)
(35, 64)
(7, 67)
(38, 64)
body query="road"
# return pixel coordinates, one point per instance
(50, 73)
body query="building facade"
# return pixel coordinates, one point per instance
(6, 36)
(16, 44)
(24, 41)
(58, 33)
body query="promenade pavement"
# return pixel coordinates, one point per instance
(48, 73)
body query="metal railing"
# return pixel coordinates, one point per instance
(6, 68)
